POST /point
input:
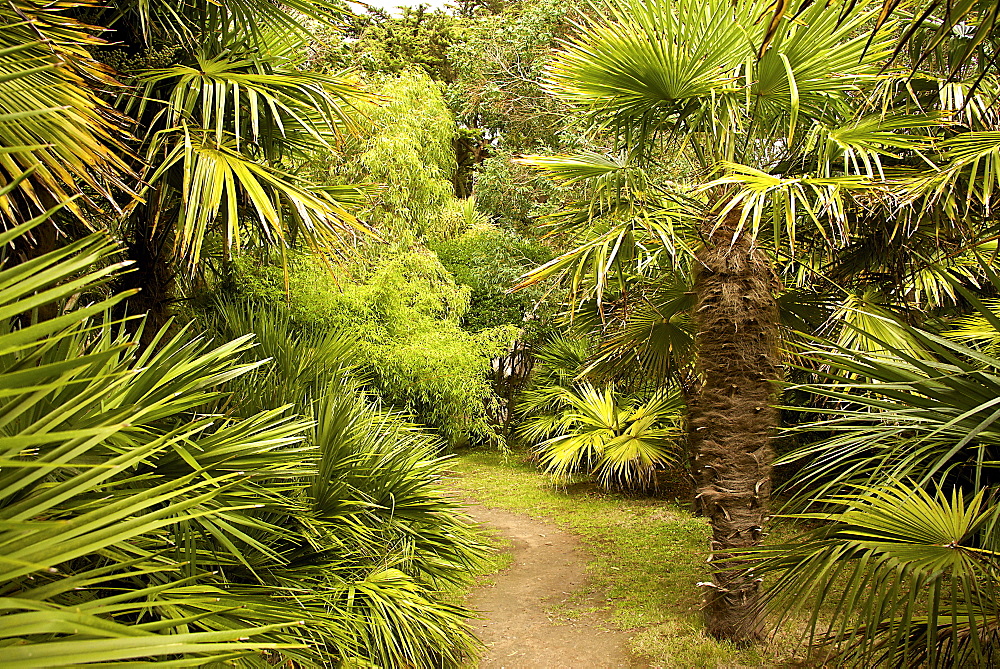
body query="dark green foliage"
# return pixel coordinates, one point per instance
(499, 63)
(513, 194)
(378, 42)
(490, 260)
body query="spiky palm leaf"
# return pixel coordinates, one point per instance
(670, 70)
(892, 413)
(647, 338)
(626, 225)
(181, 516)
(75, 429)
(897, 575)
(620, 440)
(54, 125)
(222, 129)
(381, 541)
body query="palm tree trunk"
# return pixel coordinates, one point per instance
(732, 420)
(153, 274)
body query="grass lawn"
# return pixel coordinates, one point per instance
(648, 556)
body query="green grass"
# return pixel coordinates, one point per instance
(648, 555)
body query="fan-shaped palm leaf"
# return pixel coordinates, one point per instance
(621, 440)
(68, 482)
(219, 180)
(912, 577)
(647, 68)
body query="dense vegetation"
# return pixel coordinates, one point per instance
(265, 266)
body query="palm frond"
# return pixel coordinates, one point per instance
(902, 574)
(75, 433)
(54, 125)
(621, 440)
(222, 22)
(673, 66)
(220, 182)
(893, 413)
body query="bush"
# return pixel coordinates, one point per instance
(157, 505)
(489, 261)
(406, 150)
(404, 315)
(574, 427)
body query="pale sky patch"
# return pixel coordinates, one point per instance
(392, 5)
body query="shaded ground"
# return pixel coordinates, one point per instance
(532, 620)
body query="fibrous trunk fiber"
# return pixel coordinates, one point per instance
(731, 418)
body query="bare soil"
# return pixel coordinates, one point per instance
(531, 619)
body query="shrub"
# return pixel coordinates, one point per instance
(158, 506)
(575, 427)
(406, 149)
(489, 261)
(404, 315)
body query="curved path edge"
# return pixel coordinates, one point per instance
(549, 567)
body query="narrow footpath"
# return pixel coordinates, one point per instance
(518, 628)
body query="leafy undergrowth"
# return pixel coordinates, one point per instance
(647, 557)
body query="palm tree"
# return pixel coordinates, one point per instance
(196, 139)
(223, 124)
(674, 77)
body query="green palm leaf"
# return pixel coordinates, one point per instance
(74, 442)
(621, 440)
(219, 182)
(905, 575)
(53, 124)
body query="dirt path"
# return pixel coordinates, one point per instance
(549, 566)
